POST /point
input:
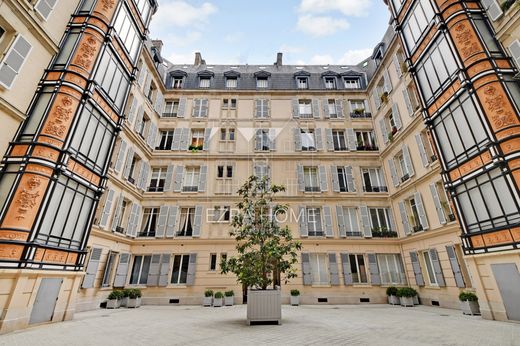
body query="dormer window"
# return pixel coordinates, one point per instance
(352, 83)
(262, 82)
(177, 82)
(231, 82)
(204, 82)
(330, 82)
(302, 82)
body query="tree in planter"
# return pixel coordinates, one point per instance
(265, 250)
(469, 303)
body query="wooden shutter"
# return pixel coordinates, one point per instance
(143, 177)
(161, 222)
(376, 98)
(397, 65)
(169, 178)
(327, 222)
(301, 180)
(514, 48)
(318, 139)
(190, 280)
(397, 116)
(185, 139)
(392, 221)
(132, 221)
(330, 140)
(178, 178)
(258, 108)
(493, 8)
(45, 7)
(457, 273)
(434, 256)
(393, 172)
(92, 268)
(422, 150)
(302, 222)
(437, 202)
(296, 108)
(323, 178)
(387, 81)
(333, 270)
(164, 270)
(408, 160)
(177, 133)
(120, 156)
(153, 272)
(142, 74)
(122, 270)
(339, 108)
(316, 108)
(272, 139)
(106, 209)
(117, 212)
(14, 60)
(171, 224)
(325, 105)
(306, 270)
(341, 221)
(132, 112)
(416, 266)
(148, 83)
(139, 119)
(347, 273)
(128, 162)
(408, 102)
(203, 177)
(351, 185)
(420, 209)
(258, 139)
(197, 222)
(152, 133)
(182, 107)
(375, 279)
(365, 221)
(351, 140)
(404, 218)
(335, 180)
(207, 137)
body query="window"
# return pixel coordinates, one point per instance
(45, 7)
(391, 269)
(227, 134)
(439, 192)
(141, 127)
(180, 269)
(213, 262)
(311, 179)
(305, 108)
(415, 221)
(224, 171)
(113, 79)
(107, 275)
(133, 165)
(149, 222)
(308, 140)
(425, 148)
(231, 83)
(222, 214)
(171, 109)
(358, 269)
(200, 108)
(262, 108)
(332, 109)
(158, 179)
(14, 60)
(373, 180)
(186, 222)
(366, 141)
(314, 222)
(166, 142)
(352, 83)
(302, 82)
(432, 279)
(229, 104)
(2, 32)
(204, 82)
(319, 269)
(262, 82)
(403, 169)
(418, 21)
(330, 83)
(191, 179)
(127, 32)
(339, 141)
(357, 107)
(197, 139)
(380, 219)
(350, 220)
(342, 179)
(150, 93)
(140, 270)
(487, 202)
(119, 220)
(144, 9)
(263, 140)
(177, 82)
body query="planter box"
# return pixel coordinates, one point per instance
(394, 300)
(229, 301)
(264, 306)
(113, 304)
(470, 308)
(207, 301)
(406, 301)
(217, 302)
(124, 302)
(416, 300)
(295, 300)
(133, 303)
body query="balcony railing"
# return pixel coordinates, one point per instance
(146, 234)
(405, 178)
(169, 115)
(131, 180)
(375, 189)
(190, 188)
(312, 189)
(383, 232)
(120, 229)
(361, 115)
(367, 148)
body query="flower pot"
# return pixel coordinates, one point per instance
(264, 306)
(124, 302)
(207, 301)
(415, 300)
(217, 302)
(406, 301)
(134, 302)
(229, 301)
(113, 304)
(470, 307)
(393, 300)
(295, 300)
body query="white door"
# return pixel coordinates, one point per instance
(43, 308)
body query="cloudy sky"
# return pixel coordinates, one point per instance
(253, 31)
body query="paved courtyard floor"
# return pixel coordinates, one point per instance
(304, 325)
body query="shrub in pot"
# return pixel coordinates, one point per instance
(218, 300)
(391, 292)
(406, 295)
(124, 300)
(229, 298)
(134, 298)
(265, 250)
(208, 298)
(295, 297)
(469, 303)
(114, 300)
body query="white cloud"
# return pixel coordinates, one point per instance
(322, 60)
(321, 26)
(179, 59)
(347, 7)
(353, 57)
(182, 40)
(288, 49)
(234, 37)
(181, 14)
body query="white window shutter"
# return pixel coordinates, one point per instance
(397, 116)
(318, 139)
(350, 179)
(295, 108)
(422, 150)
(397, 65)
(335, 180)
(408, 102)
(514, 48)
(457, 273)
(333, 269)
(384, 131)
(316, 108)
(493, 8)
(172, 222)
(300, 177)
(365, 221)
(323, 179)
(45, 7)
(327, 222)
(438, 205)
(203, 176)
(14, 60)
(182, 107)
(122, 270)
(351, 140)
(422, 212)
(387, 81)
(330, 140)
(178, 178)
(106, 209)
(161, 222)
(393, 172)
(302, 222)
(408, 160)
(197, 222)
(120, 156)
(437, 268)
(341, 221)
(92, 268)
(416, 266)
(404, 218)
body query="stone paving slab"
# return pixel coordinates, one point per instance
(304, 325)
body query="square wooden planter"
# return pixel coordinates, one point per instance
(393, 300)
(133, 303)
(217, 302)
(229, 301)
(264, 306)
(207, 301)
(406, 301)
(113, 303)
(470, 307)
(295, 300)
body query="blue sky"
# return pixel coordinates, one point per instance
(253, 31)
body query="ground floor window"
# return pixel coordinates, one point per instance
(140, 270)
(108, 269)
(180, 269)
(358, 269)
(319, 269)
(429, 268)
(391, 269)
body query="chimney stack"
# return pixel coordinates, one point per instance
(279, 59)
(158, 44)
(198, 59)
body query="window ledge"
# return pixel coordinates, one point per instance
(362, 285)
(320, 285)
(176, 286)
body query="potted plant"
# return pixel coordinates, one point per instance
(390, 137)
(124, 294)
(134, 298)
(406, 295)
(295, 297)
(265, 250)
(469, 303)
(218, 300)
(229, 298)
(391, 292)
(114, 300)
(208, 298)
(404, 67)
(384, 97)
